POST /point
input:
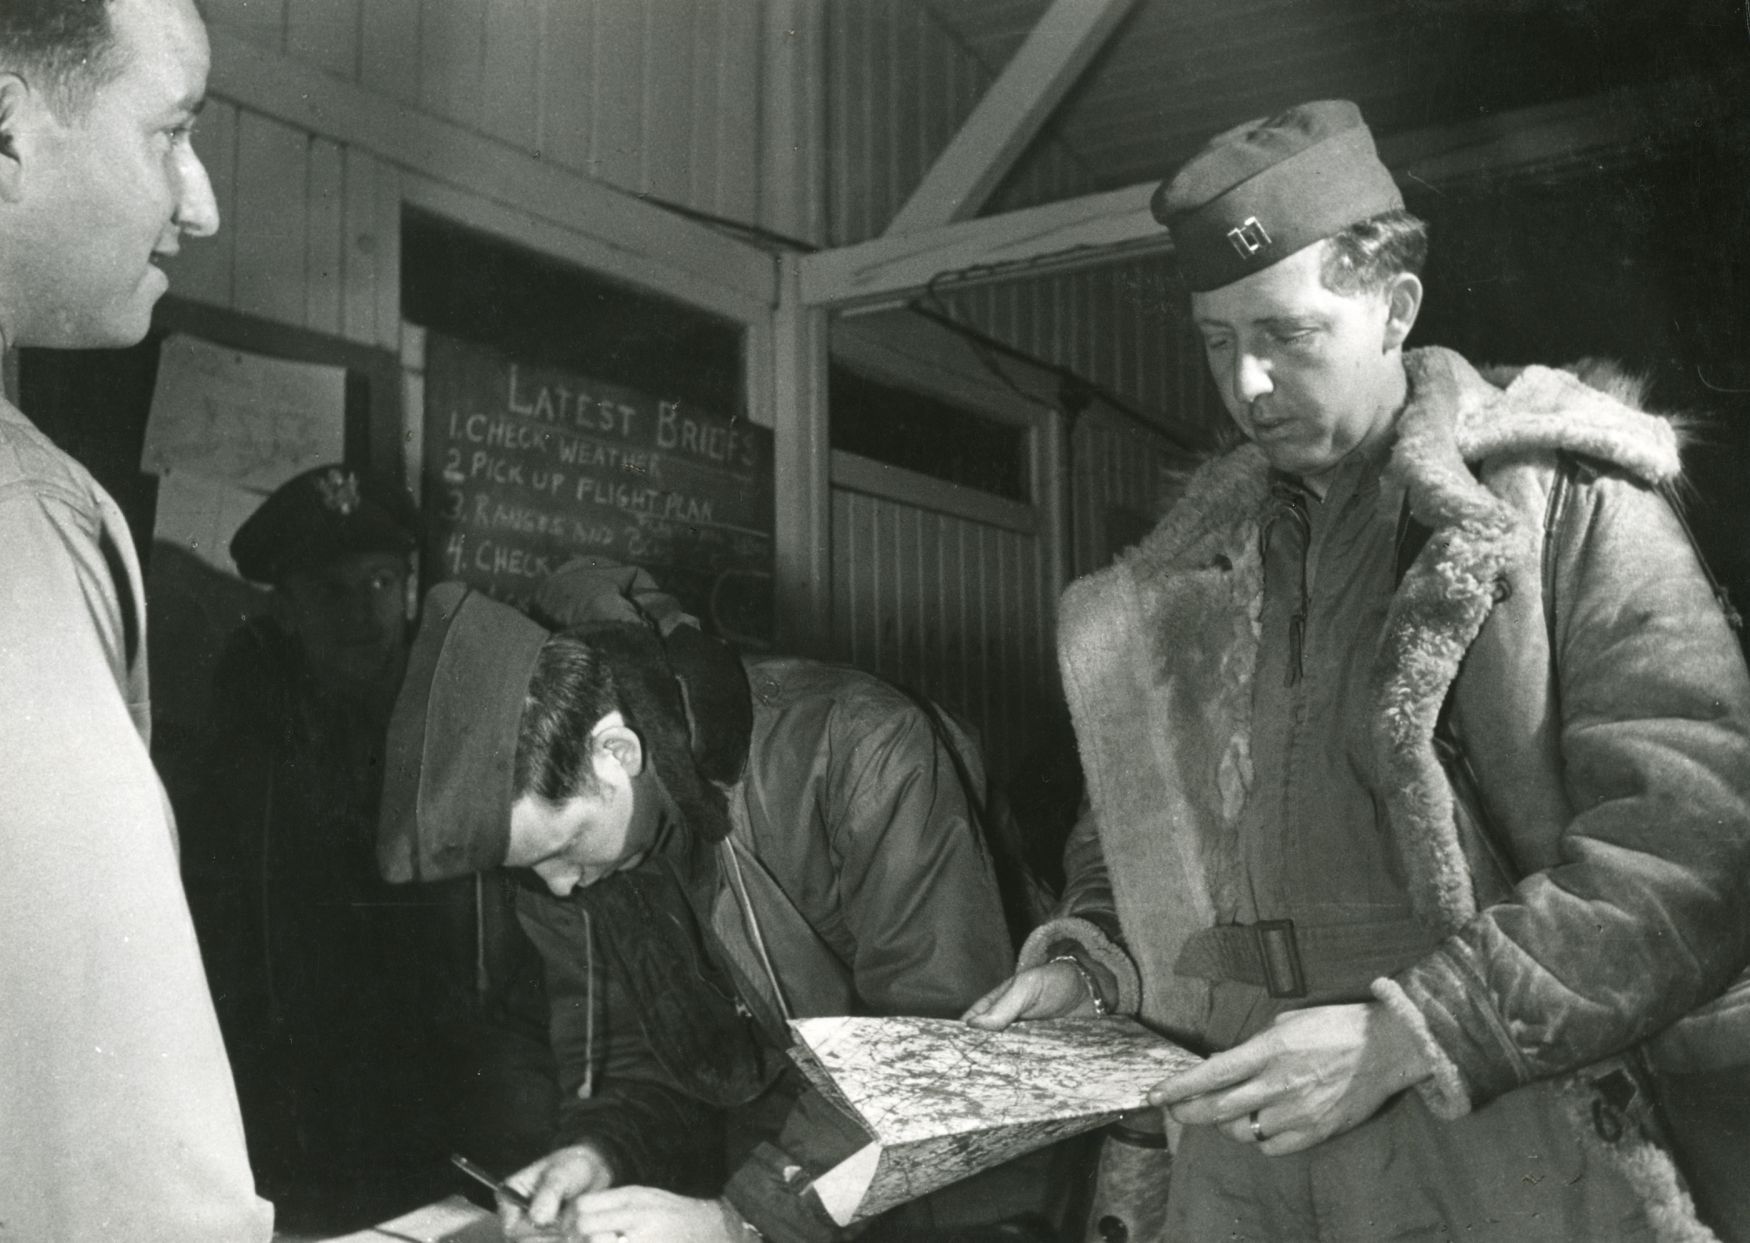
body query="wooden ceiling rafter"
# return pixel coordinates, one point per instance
(1010, 114)
(1099, 229)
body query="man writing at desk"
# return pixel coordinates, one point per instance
(711, 859)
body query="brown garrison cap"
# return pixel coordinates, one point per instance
(320, 516)
(1263, 190)
(451, 757)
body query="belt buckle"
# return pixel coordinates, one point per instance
(1279, 953)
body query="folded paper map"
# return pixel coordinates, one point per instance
(940, 1100)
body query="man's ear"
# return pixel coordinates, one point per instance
(613, 739)
(16, 105)
(1403, 303)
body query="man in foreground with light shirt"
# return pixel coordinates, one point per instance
(118, 1118)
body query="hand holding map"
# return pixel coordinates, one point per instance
(941, 1100)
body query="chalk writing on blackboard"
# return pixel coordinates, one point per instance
(527, 466)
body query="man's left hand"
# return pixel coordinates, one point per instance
(1312, 1074)
(646, 1215)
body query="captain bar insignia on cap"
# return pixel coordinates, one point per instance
(1311, 171)
(1249, 238)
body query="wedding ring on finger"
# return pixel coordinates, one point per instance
(1257, 1129)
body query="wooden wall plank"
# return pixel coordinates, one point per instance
(987, 704)
(793, 110)
(880, 194)
(802, 460)
(707, 172)
(567, 86)
(271, 218)
(951, 558)
(205, 267)
(850, 108)
(905, 160)
(619, 69)
(926, 571)
(903, 592)
(452, 57)
(358, 312)
(261, 22)
(510, 78)
(675, 89)
(389, 40)
(879, 542)
(738, 110)
(850, 536)
(389, 200)
(324, 261)
(326, 34)
(664, 251)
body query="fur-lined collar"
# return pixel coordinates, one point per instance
(1163, 708)
(1456, 422)
(1195, 584)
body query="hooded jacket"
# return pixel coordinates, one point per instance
(1596, 898)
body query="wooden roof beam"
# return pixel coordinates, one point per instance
(1103, 228)
(1066, 38)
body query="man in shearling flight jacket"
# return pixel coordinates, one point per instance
(1418, 748)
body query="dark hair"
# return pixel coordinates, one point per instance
(1370, 252)
(65, 48)
(570, 690)
(580, 676)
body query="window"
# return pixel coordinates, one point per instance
(928, 435)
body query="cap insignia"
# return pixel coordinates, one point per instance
(1248, 238)
(340, 490)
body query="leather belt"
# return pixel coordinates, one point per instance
(1289, 960)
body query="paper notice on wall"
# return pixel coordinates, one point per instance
(240, 417)
(200, 515)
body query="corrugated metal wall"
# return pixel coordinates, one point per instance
(1117, 325)
(1122, 474)
(899, 86)
(951, 607)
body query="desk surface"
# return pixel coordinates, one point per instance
(451, 1220)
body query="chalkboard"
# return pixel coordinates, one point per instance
(527, 465)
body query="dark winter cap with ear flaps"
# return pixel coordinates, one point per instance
(596, 588)
(661, 689)
(1262, 191)
(713, 683)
